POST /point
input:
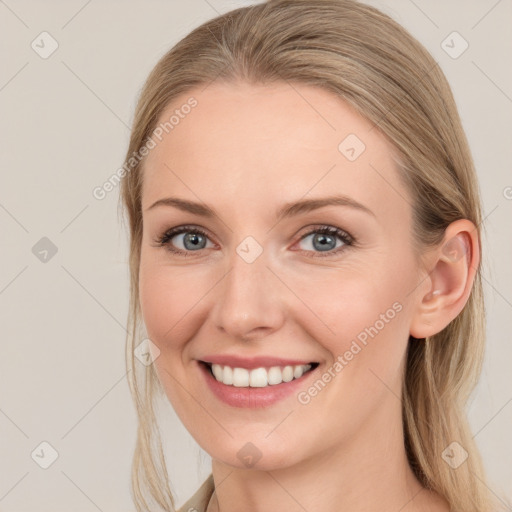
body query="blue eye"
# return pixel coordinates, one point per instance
(194, 240)
(324, 242)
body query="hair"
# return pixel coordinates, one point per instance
(371, 62)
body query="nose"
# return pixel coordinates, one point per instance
(250, 302)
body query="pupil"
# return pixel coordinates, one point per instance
(194, 239)
(324, 240)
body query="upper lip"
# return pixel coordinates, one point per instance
(252, 362)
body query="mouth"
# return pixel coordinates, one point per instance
(261, 377)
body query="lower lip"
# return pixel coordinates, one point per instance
(252, 397)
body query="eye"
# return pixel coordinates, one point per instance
(324, 239)
(192, 239)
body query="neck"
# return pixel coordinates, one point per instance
(369, 471)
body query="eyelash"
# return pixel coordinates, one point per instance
(347, 239)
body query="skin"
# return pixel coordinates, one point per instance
(245, 150)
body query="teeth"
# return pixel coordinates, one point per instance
(298, 371)
(275, 375)
(240, 377)
(227, 375)
(258, 377)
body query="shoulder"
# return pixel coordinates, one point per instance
(199, 501)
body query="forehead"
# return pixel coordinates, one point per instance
(251, 144)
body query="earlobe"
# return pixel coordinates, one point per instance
(450, 281)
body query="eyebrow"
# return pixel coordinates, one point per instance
(287, 210)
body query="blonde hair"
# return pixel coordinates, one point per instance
(364, 57)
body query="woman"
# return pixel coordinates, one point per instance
(305, 261)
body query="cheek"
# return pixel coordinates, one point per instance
(169, 299)
(166, 296)
(368, 315)
(363, 316)
(346, 303)
(174, 303)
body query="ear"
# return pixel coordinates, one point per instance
(445, 291)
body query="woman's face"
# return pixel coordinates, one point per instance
(255, 283)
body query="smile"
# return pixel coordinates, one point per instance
(258, 377)
(253, 387)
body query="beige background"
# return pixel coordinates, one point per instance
(65, 125)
